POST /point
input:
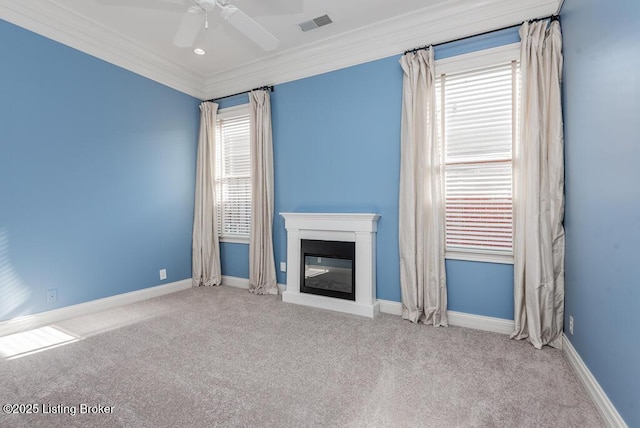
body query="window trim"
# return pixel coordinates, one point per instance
(231, 239)
(468, 62)
(227, 113)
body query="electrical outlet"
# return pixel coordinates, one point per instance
(163, 274)
(570, 325)
(283, 266)
(319, 260)
(52, 295)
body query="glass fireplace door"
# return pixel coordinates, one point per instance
(327, 268)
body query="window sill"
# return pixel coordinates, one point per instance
(234, 239)
(479, 257)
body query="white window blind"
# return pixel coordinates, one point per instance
(233, 174)
(478, 112)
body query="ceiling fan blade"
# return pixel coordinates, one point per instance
(250, 28)
(189, 28)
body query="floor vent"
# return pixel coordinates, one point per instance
(312, 24)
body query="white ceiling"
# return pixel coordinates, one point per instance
(138, 34)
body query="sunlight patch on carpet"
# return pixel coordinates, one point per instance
(33, 341)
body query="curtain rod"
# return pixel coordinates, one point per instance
(554, 17)
(270, 88)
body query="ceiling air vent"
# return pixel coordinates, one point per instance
(320, 21)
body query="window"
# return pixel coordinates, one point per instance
(233, 174)
(478, 109)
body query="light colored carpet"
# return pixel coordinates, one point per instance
(220, 356)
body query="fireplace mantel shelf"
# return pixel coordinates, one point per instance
(360, 228)
(354, 222)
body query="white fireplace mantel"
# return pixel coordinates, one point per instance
(346, 227)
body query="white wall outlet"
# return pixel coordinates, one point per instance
(163, 274)
(319, 260)
(283, 266)
(570, 325)
(52, 295)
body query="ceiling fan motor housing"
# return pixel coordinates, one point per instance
(193, 21)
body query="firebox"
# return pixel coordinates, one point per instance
(327, 268)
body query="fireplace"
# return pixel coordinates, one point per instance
(327, 268)
(331, 260)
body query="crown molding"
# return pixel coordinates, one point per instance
(432, 25)
(56, 22)
(444, 21)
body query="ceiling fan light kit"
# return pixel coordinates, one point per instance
(196, 19)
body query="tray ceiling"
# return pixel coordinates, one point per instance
(138, 34)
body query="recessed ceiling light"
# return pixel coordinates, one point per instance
(199, 51)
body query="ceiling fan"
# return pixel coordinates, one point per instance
(196, 19)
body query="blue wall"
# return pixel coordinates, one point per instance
(480, 288)
(98, 196)
(97, 171)
(602, 221)
(337, 149)
(97, 168)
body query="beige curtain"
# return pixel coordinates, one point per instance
(206, 248)
(421, 211)
(262, 271)
(539, 190)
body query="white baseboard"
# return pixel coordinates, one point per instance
(606, 408)
(234, 281)
(481, 322)
(459, 319)
(390, 307)
(29, 322)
